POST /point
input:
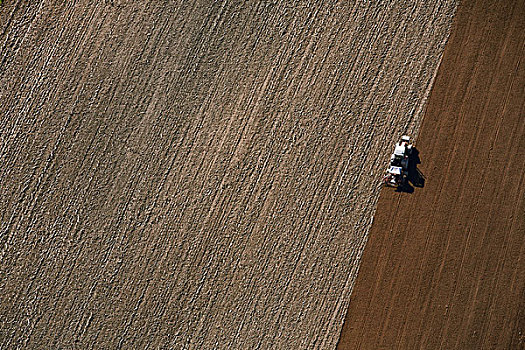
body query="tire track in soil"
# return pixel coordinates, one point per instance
(443, 268)
(197, 174)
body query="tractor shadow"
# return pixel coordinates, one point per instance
(415, 176)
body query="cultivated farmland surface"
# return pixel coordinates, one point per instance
(444, 268)
(198, 174)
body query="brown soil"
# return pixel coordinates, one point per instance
(444, 266)
(197, 174)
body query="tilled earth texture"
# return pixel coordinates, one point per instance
(444, 268)
(198, 174)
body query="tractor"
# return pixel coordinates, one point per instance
(397, 172)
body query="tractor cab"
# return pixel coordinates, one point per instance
(394, 176)
(395, 170)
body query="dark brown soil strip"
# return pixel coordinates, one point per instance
(444, 266)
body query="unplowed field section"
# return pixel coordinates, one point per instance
(444, 267)
(198, 174)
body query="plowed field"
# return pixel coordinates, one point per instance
(444, 267)
(197, 174)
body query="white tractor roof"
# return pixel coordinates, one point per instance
(405, 138)
(395, 170)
